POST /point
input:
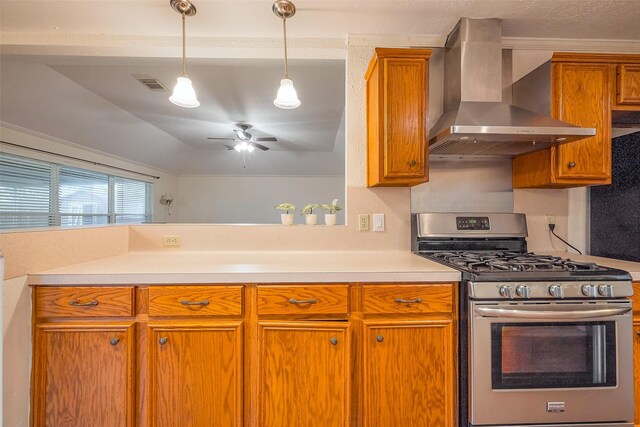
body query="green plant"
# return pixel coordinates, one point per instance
(286, 207)
(332, 208)
(307, 210)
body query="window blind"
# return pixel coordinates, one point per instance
(36, 193)
(84, 197)
(25, 192)
(132, 201)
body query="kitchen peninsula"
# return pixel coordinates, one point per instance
(238, 337)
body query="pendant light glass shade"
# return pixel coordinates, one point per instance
(287, 96)
(183, 94)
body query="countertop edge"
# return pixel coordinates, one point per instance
(226, 278)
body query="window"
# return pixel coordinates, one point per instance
(34, 193)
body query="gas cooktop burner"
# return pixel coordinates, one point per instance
(496, 261)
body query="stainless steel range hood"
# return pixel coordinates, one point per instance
(476, 121)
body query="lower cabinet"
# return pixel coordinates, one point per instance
(195, 374)
(408, 373)
(83, 375)
(636, 368)
(290, 355)
(304, 374)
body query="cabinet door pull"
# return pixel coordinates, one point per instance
(76, 303)
(202, 303)
(379, 338)
(412, 163)
(114, 341)
(572, 164)
(408, 301)
(163, 340)
(334, 341)
(302, 301)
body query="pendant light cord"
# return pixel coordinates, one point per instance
(286, 60)
(184, 47)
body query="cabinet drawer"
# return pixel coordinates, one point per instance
(417, 299)
(298, 299)
(86, 301)
(195, 300)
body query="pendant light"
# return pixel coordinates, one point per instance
(183, 93)
(287, 97)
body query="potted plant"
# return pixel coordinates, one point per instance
(309, 217)
(286, 218)
(330, 217)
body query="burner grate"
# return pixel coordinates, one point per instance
(496, 261)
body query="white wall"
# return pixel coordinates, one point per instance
(251, 199)
(24, 137)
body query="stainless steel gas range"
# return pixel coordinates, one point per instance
(544, 341)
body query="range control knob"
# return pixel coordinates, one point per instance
(556, 291)
(590, 291)
(522, 291)
(506, 291)
(606, 291)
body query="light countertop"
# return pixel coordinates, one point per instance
(249, 267)
(632, 267)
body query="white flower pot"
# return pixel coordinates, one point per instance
(287, 219)
(330, 219)
(311, 219)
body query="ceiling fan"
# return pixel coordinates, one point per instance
(244, 140)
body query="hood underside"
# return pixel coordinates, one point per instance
(476, 121)
(498, 129)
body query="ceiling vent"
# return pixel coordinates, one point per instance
(153, 84)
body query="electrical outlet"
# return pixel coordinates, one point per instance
(549, 219)
(171, 240)
(363, 222)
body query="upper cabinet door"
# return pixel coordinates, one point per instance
(397, 99)
(581, 93)
(405, 117)
(628, 84)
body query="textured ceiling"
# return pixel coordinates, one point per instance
(593, 19)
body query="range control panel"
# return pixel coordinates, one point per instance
(473, 223)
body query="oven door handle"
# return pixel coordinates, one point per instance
(577, 313)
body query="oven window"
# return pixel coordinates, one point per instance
(553, 355)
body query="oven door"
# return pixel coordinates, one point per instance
(550, 363)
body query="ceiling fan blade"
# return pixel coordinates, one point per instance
(224, 139)
(259, 146)
(229, 147)
(266, 138)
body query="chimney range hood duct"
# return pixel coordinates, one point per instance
(476, 122)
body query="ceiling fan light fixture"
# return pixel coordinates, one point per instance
(287, 97)
(183, 93)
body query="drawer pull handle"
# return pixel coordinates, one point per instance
(91, 303)
(333, 341)
(412, 163)
(202, 303)
(408, 301)
(379, 338)
(302, 301)
(163, 340)
(572, 164)
(114, 341)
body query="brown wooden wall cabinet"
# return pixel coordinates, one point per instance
(313, 355)
(397, 107)
(585, 89)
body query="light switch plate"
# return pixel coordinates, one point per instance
(378, 222)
